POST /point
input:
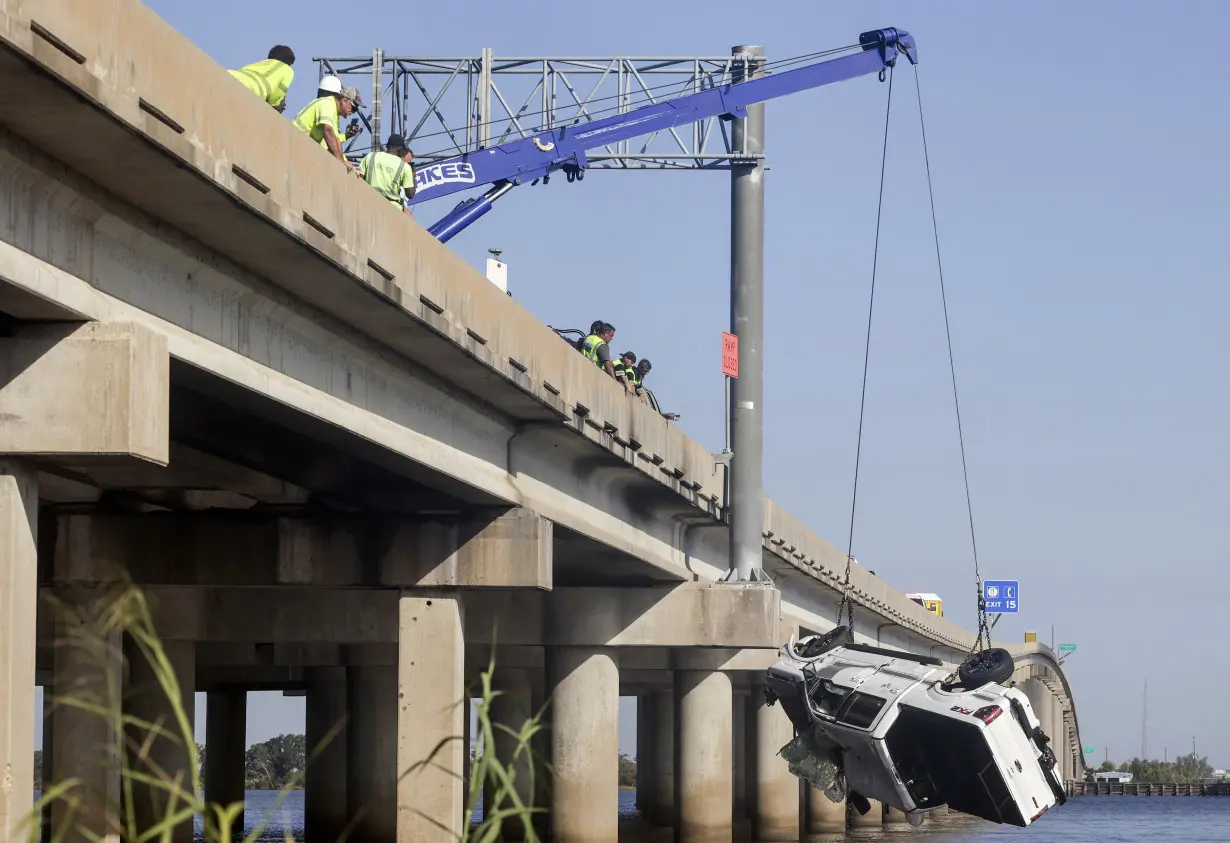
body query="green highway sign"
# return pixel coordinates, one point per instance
(1066, 648)
(1090, 750)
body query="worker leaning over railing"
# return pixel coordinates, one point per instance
(597, 348)
(320, 119)
(270, 79)
(626, 374)
(390, 172)
(642, 369)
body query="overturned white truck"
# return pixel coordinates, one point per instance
(874, 723)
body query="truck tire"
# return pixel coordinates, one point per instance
(826, 642)
(985, 667)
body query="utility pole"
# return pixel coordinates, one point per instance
(746, 496)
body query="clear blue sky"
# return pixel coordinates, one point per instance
(1079, 160)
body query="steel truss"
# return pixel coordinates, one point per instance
(448, 106)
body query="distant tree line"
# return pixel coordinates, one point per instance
(1183, 770)
(627, 771)
(271, 764)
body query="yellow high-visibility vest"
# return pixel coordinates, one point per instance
(269, 79)
(388, 174)
(590, 348)
(318, 112)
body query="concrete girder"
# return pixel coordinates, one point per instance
(188, 471)
(687, 615)
(82, 393)
(506, 548)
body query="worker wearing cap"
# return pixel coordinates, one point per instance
(270, 79)
(633, 375)
(320, 119)
(625, 369)
(391, 171)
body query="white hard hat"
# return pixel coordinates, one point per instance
(331, 84)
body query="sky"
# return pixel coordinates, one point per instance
(1081, 187)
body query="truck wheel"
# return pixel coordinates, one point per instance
(824, 643)
(986, 666)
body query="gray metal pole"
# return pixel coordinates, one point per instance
(746, 499)
(377, 80)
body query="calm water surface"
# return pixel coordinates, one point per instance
(1089, 819)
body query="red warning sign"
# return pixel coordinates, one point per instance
(730, 355)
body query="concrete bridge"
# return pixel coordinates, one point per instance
(342, 463)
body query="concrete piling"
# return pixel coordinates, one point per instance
(226, 726)
(151, 704)
(430, 717)
(325, 780)
(703, 783)
(585, 744)
(776, 812)
(18, 599)
(824, 816)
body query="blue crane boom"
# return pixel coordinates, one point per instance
(526, 159)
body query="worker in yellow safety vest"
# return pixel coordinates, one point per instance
(597, 349)
(270, 79)
(320, 119)
(391, 171)
(627, 374)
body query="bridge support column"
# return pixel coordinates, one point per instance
(83, 744)
(824, 816)
(1040, 701)
(703, 788)
(738, 754)
(324, 786)
(646, 749)
(371, 762)
(431, 708)
(542, 749)
(226, 720)
(512, 709)
(585, 744)
(48, 755)
(776, 815)
(1063, 747)
(662, 798)
(872, 819)
(150, 704)
(18, 605)
(894, 816)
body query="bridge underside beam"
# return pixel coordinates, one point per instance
(491, 548)
(687, 615)
(85, 393)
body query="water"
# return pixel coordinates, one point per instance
(1087, 819)
(289, 815)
